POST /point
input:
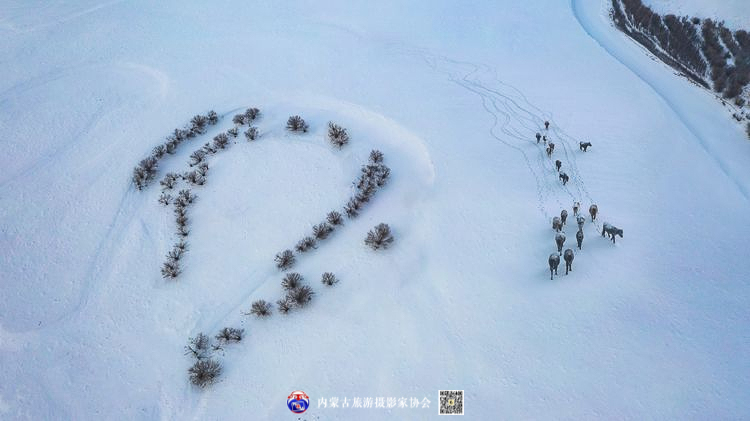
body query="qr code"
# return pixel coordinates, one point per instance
(451, 402)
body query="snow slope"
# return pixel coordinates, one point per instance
(651, 327)
(734, 13)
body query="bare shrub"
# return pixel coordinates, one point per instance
(207, 149)
(165, 198)
(170, 270)
(251, 133)
(322, 231)
(158, 151)
(204, 372)
(329, 279)
(334, 218)
(376, 156)
(284, 305)
(184, 197)
(169, 181)
(202, 169)
(337, 135)
(199, 347)
(251, 114)
(181, 245)
(305, 244)
(352, 208)
(239, 119)
(197, 157)
(299, 297)
(220, 141)
(183, 231)
(292, 280)
(230, 334)
(145, 172)
(296, 124)
(379, 237)
(195, 178)
(260, 308)
(212, 117)
(198, 124)
(175, 254)
(284, 260)
(233, 132)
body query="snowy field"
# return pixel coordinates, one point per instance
(652, 327)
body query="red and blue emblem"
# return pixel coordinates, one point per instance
(298, 402)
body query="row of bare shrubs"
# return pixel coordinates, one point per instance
(145, 172)
(171, 267)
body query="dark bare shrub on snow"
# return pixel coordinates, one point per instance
(251, 114)
(181, 245)
(233, 132)
(376, 156)
(296, 124)
(230, 334)
(239, 119)
(175, 254)
(165, 198)
(198, 124)
(301, 296)
(337, 135)
(292, 280)
(184, 197)
(212, 117)
(197, 157)
(169, 181)
(195, 178)
(204, 372)
(220, 141)
(329, 279)
(251, 133)
(199, 347)
(379, 237)
(207, 149)
(202, 169)
(305, 244)
(352, 208)
(159, 151)
(183, 231)
(260, 308)
(334, 218)
(322, 230)
(284, 305)
(145, 172)
(284, 260)
(170, 270)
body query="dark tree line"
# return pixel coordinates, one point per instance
(700, 49)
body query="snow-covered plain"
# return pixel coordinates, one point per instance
(652, 327)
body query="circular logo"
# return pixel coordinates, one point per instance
(298, 401)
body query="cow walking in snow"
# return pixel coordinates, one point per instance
(538, 137)
(593, 209)
(546, 125)
(552, 146)
(558, 164)
(576, 206)
(612, 231)
(564, 178)
(568, 256)
(564, 216)
(554, 262)
(579, 238)
(556, 224)
(584, 145)
(580, 219)
(544, 138)
(549, 152)
(560, 240)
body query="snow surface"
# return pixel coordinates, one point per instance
(654, 326)
(735, 13)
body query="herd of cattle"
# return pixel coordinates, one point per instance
(559, 221)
